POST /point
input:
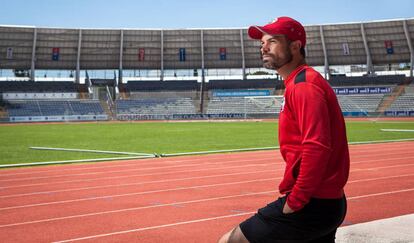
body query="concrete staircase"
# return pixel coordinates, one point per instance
(83, 95)
(107, 110)
(4, 115)
(389, 99)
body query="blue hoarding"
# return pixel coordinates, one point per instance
(240, 93)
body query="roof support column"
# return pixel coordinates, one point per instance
(121, 55)
(202, 56)
(202, 73)
(162, 56)
(410, 46)
(243, 56)
(325, 53)
(370, 69)
(77, 74)
(32, 68)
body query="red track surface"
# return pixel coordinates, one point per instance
(182, 199)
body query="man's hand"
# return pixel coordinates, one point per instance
(287, 209)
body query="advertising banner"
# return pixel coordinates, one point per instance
(141, 54)
(389, 47)
(182, 54)
(55, 53)
(223, 53)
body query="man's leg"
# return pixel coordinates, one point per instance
(233, 236)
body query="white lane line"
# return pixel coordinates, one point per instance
(380, 178)
(382, 141)
(397, 153)
(158, 226)
(207, 219)
(381, 193)
(89, 151)
(132, 170)
(139, 208)
(353, 156)
(147, 182)
(107, 186)
(134, 175)
(109, 164)
(186, 202)
(153, 166)
(383, 167)
(183, 165)
(128, 176)
(60, 162)
(354, 150)
(134, 163)
(122, 195)
(152, 174)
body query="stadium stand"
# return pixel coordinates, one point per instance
(163, 52)
(160, 89)
(226, 105)
(360, 103)
(154, 100)
(166, 106)
(405, 102)
(248, 106)
(47, 101)
(163, 94)
(32, 108)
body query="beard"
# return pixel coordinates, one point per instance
(275, 62)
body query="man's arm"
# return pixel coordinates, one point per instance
(311, 111)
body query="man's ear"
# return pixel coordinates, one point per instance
(296, 45)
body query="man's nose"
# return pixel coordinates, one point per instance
(264, 48)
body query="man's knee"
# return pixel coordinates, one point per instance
(237, 236)
(225, 237)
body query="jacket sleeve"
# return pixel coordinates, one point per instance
(310, 109)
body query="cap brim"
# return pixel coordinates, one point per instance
(256, 32)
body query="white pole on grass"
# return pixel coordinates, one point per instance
(219, 151)
(90, 151)
(76, 161)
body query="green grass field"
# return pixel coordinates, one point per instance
(171, 137)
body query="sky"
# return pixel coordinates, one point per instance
(182, 14)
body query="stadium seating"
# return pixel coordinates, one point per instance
(404, 102)
(244, 105)
(23, 108)
(163, 94)
(54, 108)
(166, 99)
(168, 106)
(360, 103)
(83, 107)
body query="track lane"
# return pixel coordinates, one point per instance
(364, 177)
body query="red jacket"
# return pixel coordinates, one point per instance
(312, 139)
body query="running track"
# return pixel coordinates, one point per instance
(182, 199)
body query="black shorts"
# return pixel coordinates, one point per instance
(316, 222)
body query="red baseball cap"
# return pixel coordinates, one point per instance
(287, 26)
